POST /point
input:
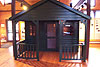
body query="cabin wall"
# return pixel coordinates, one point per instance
(42, 34)
(72, 38)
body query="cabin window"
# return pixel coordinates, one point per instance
(32, 30)
(67, 29)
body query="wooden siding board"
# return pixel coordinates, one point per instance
(48, 18)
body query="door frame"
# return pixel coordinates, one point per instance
(56, 37)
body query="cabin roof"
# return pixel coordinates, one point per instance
(53, 1)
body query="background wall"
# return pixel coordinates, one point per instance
(5, 13)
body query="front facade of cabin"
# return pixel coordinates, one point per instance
(50, 26)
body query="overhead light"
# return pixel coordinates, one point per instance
(25, 7)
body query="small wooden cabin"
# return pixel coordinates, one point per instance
(50, 26)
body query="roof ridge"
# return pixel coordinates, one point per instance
(53, 1)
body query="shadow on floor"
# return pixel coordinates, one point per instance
(40, 63)
(51, 59)
(6, 45)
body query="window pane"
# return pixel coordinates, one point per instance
(51, 30)
(67, 29)
(9, 26)
(97, 14)
(10, 36)
(34, 30)
(74, 2)
(30, 30)
(17, 27)
(17, 36)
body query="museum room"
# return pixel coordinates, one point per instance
(49, 33)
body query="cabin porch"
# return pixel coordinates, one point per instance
(48, 59)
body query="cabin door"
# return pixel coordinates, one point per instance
(51, 36)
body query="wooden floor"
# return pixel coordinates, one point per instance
(49, 59)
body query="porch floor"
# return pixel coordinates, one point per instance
(49, 59)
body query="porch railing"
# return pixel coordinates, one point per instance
(26, 51)
(73, 52)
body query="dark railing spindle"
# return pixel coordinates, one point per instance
(68, 52)
(33, 50)
(22, 49)
(64, 52)
(74, 52)
(19, 49)
(25, 50)
(81, 52)
(30, 51)
(78, 52)
(71, 53)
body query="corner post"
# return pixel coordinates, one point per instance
(60, 39)
(85, 47)
(37, 39)
(88, 28)
(14, 40)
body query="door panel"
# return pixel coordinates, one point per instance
(51, 43)
(51, 35)
(51, 30)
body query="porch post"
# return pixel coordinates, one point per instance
(37, 39)
(60, 39)
(13, 7)
(14, 30)
(14, 41)
(88, 29)
(85, 51)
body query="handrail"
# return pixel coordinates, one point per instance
(19, 42)
(80, 44)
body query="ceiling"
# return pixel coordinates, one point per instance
(25, 2)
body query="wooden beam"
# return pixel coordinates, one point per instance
(88, 28)
(9, 10)
(14, 30)
(13, 7)
(79, 3)
(24, 3)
